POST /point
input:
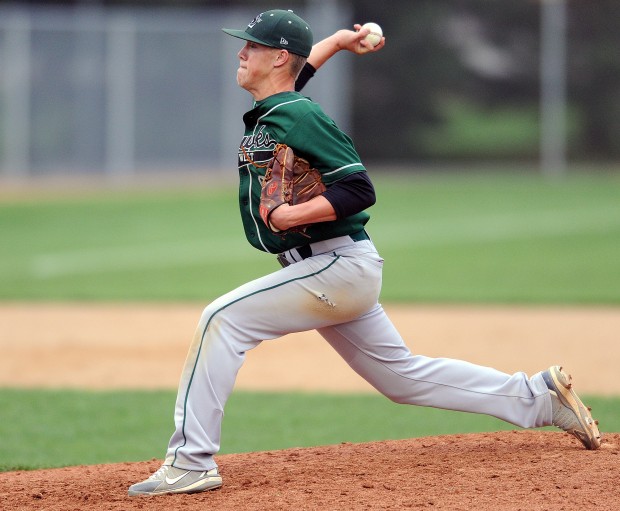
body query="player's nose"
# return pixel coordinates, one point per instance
(243, 52)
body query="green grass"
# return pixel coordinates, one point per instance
(469, 130)
(494, 238)
(499, 132)
(511, 238)
(53, 428)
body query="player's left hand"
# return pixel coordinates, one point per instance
(354, 40)
(289, 181)
(277, 219)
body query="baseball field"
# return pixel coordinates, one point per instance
(101, 291)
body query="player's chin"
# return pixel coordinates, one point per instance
(241, 76)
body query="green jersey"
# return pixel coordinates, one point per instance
(295, 120)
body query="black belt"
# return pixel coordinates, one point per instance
(305, 251)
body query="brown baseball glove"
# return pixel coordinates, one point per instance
(289, 179)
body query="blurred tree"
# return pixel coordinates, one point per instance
(498, 44)
(397, 92)
(483, 53)
(471, 51)
(594, 81)
(592, 63)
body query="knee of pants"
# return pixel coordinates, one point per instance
(400, 399)
(393, 393)
(215, 316)
(218, 325)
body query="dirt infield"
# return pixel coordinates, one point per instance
(143, 346)
(491, 472)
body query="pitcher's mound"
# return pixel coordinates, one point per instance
(516, 470)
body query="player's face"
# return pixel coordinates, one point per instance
(255, 64)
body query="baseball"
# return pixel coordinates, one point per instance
(375, 35)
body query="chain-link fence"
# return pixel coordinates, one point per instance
(116, 92)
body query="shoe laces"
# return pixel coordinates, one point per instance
(160, 473)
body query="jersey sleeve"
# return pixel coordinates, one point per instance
(316, 138)
(351, 194)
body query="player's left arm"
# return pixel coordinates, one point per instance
(348, 196)
(344, 39)
(318, 209)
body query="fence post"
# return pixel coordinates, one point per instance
(120, 85)
(553, 88)
(16, 77)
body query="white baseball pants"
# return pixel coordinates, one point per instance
(335, 292)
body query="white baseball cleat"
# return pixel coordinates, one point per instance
(169, 479)
(569, 413)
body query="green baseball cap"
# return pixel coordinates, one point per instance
(279, 29)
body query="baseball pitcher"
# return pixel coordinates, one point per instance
(303, 195)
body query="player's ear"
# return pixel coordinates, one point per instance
(281, 58)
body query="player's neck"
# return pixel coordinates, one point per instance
(274, 86)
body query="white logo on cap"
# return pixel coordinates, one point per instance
(256, 20)
(283, 41)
